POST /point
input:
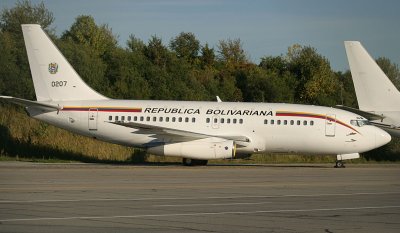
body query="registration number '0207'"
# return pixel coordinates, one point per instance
(59, 83)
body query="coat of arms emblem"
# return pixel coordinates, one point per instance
(53, 68)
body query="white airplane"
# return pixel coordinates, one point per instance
(196, 131)
(378, 99)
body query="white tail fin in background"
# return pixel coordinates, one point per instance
(374, 90)
(53, 77)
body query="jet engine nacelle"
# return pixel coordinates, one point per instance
(199, 149)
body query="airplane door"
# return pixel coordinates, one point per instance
(92, 118)
(330, 125)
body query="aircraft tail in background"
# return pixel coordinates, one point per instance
(374, 90)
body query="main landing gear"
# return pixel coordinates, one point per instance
(339, 164)
(194, 162)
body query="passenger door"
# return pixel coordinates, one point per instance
(92, 118)
(330, 125)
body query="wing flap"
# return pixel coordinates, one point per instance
(182, 134)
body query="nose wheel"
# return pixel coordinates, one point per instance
(339, 164)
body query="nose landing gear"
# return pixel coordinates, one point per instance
(339, 164)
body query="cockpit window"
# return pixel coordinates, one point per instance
(359, 123)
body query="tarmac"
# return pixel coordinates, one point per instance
(37, 197)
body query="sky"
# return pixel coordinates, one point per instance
(265, 27)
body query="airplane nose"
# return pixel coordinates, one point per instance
(382, 138)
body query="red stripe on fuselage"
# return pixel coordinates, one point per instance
(102, 109)
(310, 115)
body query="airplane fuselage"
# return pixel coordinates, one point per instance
(268, 127)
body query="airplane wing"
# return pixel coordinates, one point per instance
(176, 133)
(369, 115)
(30, 103)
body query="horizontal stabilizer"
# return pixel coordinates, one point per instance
(368, 115)
(30, 103)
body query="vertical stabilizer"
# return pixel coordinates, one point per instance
(374, 90)
(53, 77)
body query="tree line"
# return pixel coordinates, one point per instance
(179, 69)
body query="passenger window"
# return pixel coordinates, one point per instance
(148, 118)
(208, 120)
(272, 122)
(228, 121)
(116, 118)
(129, 118)
(266, 122)
(215, 120)
(122, 118)
(141, 118)
(135, 118)
(304, 122)
(154, 118)
(222, 120)
(110, 118)
(167, 119)
(180, 119)
(311, 123)
(279, 122)
(285, 122)
(234, 121)
(161, 119)
(193, 120)
(186, 119)
(173, 119)
(298, 122)
(292, 122)
(240, 121)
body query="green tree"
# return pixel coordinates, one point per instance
(85, 31)
(207, 57)
(135, 45)
(346, 93)
(156, 52)
(124, 69)
(316, 81)
(15, 73)
(185, 45)
(9, 79)
(231, 52)
(283, 83)
(390, 69)
(25, 12)
(276, 64)
(87, 64)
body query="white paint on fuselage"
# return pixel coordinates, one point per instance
(263, 137)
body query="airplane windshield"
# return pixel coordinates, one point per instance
(359, 123)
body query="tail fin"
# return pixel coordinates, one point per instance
(54, 78)
(374, 90)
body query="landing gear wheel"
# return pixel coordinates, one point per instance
(202, 162)
(187, 162)
(339, 164)
(194, 162)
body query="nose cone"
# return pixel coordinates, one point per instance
(381, 137)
